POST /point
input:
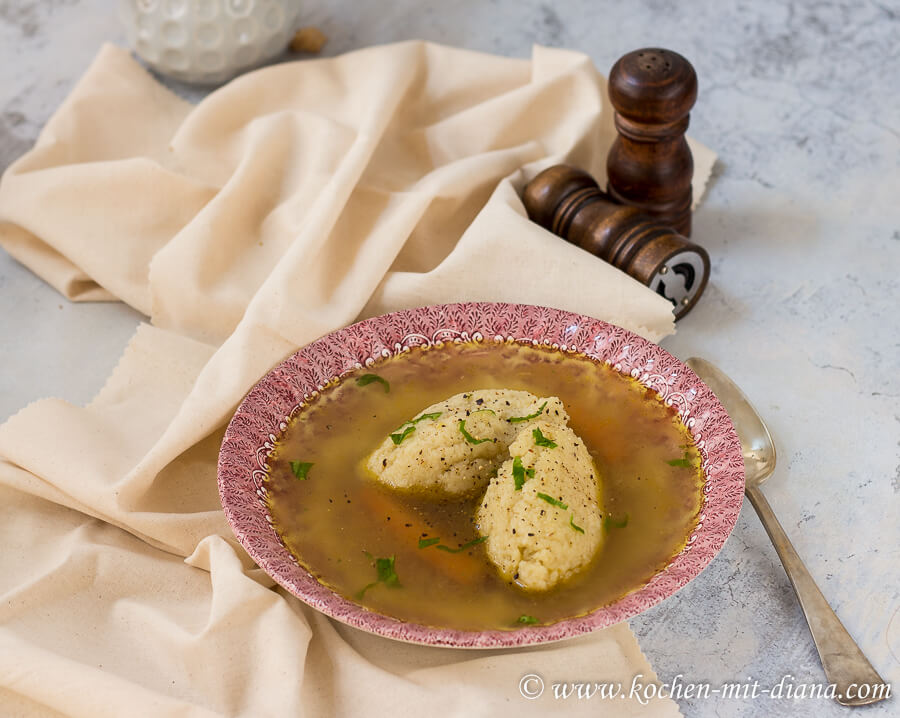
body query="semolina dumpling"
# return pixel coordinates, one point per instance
(541, 513)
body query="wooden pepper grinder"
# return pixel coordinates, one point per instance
(568, 202)
(649, 165)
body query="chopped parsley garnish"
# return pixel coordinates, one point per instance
(384, 568)
(526, 619)
(410, 426)
(470, 544)
(535, 415)
(301, 469)
(520, 472)
(400, 436)
(551, 500)
(471, 439)
(541, 440)
(610, 523)
(574, 525)
(386, 572)
(685, 463)
(367, 379)
(426, 542)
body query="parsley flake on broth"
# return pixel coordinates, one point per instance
(367, 379)
(464, 547)
(384, 568)
(436, 542)
(426, 510)
(610, 523)
(684, 463)
(301, 469)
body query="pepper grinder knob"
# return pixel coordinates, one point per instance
(649, 165)
(569, 203)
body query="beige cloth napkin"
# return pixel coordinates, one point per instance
(286, 204)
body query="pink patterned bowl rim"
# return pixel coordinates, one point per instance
(268, 407)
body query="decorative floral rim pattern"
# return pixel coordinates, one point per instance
(267, 408)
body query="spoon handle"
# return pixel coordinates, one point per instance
(844, 664)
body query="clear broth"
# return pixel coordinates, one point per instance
(339, 519)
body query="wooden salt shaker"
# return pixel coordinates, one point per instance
(649, 165)
(568, 202)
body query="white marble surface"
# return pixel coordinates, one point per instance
(802, 220)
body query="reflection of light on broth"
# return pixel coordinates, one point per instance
(337, 520)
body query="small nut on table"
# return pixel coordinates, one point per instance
(308, 39)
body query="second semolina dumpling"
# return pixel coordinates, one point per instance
(541, 513)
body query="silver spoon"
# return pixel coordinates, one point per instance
(843, 661)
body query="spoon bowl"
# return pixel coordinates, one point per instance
(757, 445)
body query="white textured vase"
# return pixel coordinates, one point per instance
(208, 41)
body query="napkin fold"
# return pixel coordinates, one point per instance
(286, 204)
